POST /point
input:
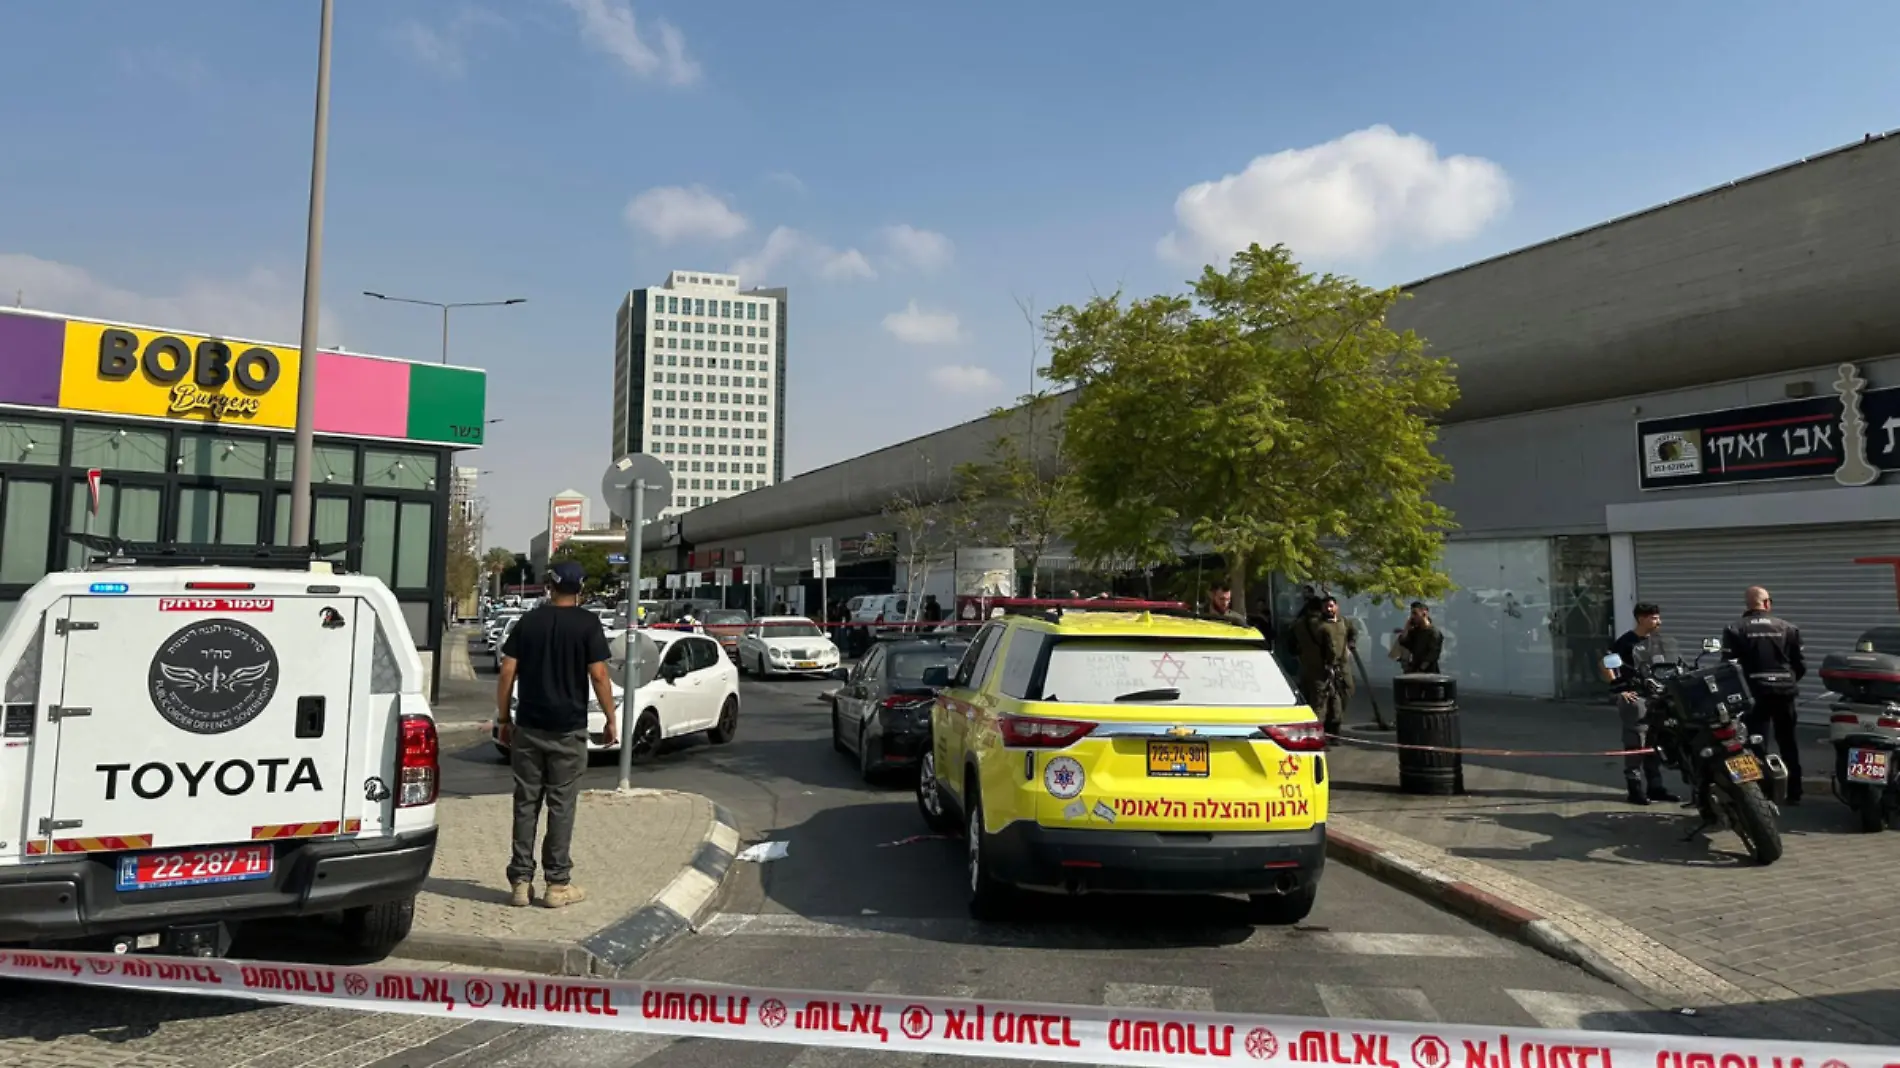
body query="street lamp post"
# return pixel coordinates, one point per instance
(445, 310)
(303, 450)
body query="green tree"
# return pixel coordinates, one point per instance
(496, 561)
(462, 572)
(1271, 415)
(593, 560)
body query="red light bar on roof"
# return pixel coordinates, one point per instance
(220, 585)
(1118, 604)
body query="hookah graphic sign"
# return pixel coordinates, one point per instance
(1852, 437)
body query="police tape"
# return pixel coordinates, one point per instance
(968, 1027)
(1469, 751)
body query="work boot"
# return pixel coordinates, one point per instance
(523, 895)
(1638, 796)
(561, 895)
(1660, 793)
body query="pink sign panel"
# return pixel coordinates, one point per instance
(359, 395)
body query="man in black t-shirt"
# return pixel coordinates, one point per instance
(1639, 649)
(552, 658)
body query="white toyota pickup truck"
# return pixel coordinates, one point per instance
(186, 747)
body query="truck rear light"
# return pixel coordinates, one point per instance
(1845, 717)
(1308, 737)
(226, 586)
(1888, 722)
(1032, 732)
(418, 769)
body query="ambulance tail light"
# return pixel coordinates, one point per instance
(1031, 732)
(1307, 737)
(418, 769)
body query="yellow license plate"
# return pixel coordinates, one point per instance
(1744, 768)
(1177, 759)
(808, 663)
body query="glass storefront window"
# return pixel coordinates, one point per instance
(330, 523)
(197, 516)
(334, 464)
(119, 449)
(399, 470)
(208, 456)
(222, 517)
(413, 545)
(26, 529)
(1582, 617)
(379, 539)
(29, 441)
(128, 512)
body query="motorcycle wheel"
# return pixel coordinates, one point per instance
(1871, 807)
(1755, 822)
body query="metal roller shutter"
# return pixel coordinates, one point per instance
(1698, 578)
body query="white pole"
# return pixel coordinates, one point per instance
(630, 666)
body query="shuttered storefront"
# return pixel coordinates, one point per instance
(1698, 579)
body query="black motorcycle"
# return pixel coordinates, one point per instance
(1697, 722)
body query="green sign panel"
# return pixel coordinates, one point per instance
(447, 404)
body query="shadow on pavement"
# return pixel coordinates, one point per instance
(1862, 1017)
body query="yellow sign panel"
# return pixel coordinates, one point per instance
(179, 376)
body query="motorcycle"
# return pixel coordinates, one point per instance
(1696, 719)
(1864, 726)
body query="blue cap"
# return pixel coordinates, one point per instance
(567, 576)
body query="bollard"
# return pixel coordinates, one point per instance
(1426, 707)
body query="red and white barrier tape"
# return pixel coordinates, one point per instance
(1490, 752)
(954, 1026)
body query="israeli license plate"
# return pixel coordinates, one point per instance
(1867, 765)
(1178, 760)
(1744, 768)
(195, 867)
(808, 664)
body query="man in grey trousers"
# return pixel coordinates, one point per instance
(556, 653)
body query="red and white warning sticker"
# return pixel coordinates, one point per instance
(957, 1026)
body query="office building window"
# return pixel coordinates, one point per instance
(29, 441)
(725, 309)
(699, 308)
(119, 449)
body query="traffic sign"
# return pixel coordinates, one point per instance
(616, 486)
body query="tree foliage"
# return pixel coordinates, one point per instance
(1271, 415)
(593, 560)
(933, 518)
(462, 572)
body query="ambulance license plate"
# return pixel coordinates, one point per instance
(1177, 760)
(1867, 765)
(195, 867)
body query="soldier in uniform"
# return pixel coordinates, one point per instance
(1326, 663)
(1220, 604)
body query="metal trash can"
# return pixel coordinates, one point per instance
(1427, 712)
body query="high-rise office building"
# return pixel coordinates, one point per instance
(699, 381)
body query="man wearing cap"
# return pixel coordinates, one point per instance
(557, 653)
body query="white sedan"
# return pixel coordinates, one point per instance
(695, 689)
(781, 645)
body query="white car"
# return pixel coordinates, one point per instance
(786, 645)
(695, 689)
(190, 746)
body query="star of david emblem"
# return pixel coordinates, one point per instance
(1289, 767)
(1064, 777)
(1170, 670)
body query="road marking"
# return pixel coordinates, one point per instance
(1574, 1012)
(966, 932)
(1376, 1003)
(1146, 996)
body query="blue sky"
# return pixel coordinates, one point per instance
(154, 166)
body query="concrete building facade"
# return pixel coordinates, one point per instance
(1667, 407)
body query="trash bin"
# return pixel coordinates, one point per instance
(1427, 713)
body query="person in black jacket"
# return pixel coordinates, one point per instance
(1421, 642)
(1768, 650)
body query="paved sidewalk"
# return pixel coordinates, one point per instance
(651, 862)
(1692, 923)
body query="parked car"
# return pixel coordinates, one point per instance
(784, 645)
(726, 625)
(881, 714)
(694, 689)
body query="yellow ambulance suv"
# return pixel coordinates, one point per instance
(1126, 747)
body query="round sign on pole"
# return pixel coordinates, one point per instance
(646, 656)
(616, 486)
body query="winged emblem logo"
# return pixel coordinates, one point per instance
(216, 680)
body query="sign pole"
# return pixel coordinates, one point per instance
(630, 667)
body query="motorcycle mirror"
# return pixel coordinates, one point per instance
(1712, 645)
(1612, 662)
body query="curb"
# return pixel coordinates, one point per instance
(1487, 910)
(681, 906)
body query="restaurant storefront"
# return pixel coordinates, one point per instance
(191, 436)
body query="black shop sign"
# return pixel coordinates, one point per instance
(1851, 436)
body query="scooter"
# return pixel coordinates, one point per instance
(1864, 726)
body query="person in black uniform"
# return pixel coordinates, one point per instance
(1768, 649)
(1639, 648)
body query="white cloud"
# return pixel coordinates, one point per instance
(786, 249)
(921, 326)
(262, 305)
(1349, 199)
(926, 250)
(608, 25)
(673, 213)
(964, 379)
(787, 179)
(443, 50)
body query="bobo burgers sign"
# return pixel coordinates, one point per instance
(141, 372)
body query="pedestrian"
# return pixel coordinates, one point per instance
(1326, 663)
(1420, 643)
(1639, 649)
(1768, 649)
(933, 612)
(556, 653)
(778, 607)
(1220, 603)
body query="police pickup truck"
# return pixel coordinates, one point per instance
(194, 738)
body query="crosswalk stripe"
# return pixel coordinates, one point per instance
(1574, 1012)
(1407, 1003)
(1146, 996)
(967, 932)
(813, 1057)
